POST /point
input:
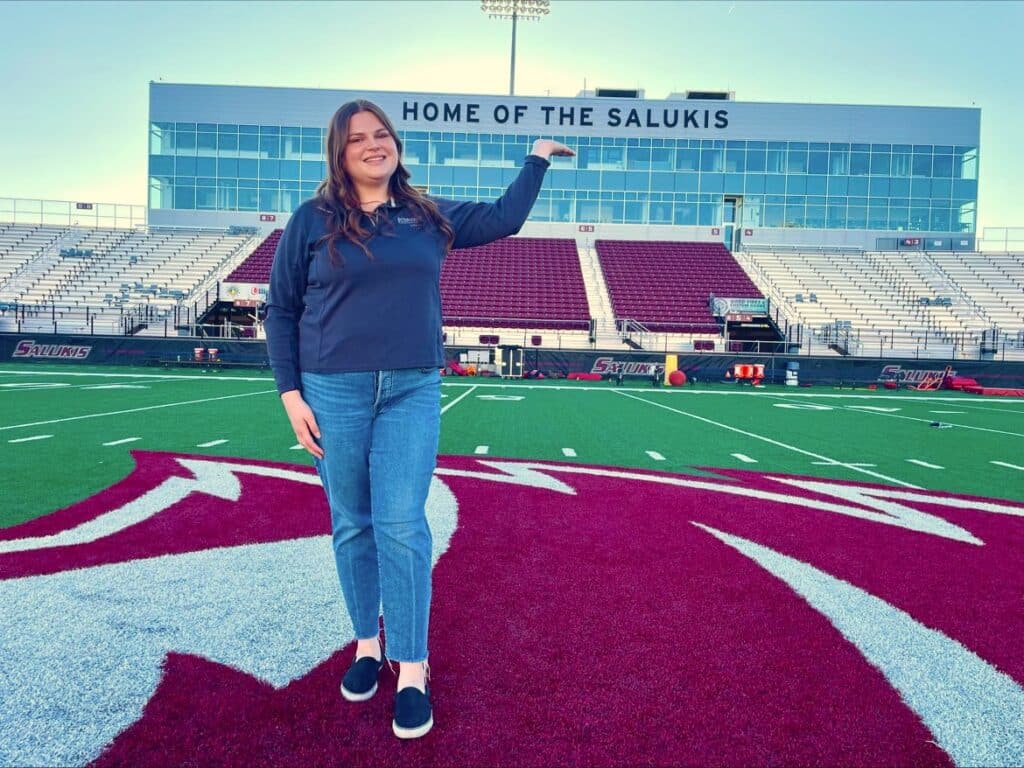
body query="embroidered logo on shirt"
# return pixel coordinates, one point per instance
(410, 220)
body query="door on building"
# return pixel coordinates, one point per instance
(731, 218)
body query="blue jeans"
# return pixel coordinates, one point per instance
(379, 432)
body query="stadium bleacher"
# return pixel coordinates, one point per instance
(666, 286)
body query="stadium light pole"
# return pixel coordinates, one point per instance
(525, 10)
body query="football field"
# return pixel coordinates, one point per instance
(707, 575)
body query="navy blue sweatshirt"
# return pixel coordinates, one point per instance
(382, 313)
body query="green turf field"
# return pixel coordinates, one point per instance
(66, 431)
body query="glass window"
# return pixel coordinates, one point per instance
(756, 160)
(269, 199)
(184, 144)
(185, 166)
(207, 143)
(968, 165)
(248, 199)
(774, 215)
(901, 164)
(709, 214)
(797, 159)
(880, 163)
(919, 218)
(940, 219)
(227, 143)
(878, 186)
(490, 152)
(921, 188)
(817, 162)
(712, 182)
(966, 217)
(816, 185)
(613, 180)
(943, 166)
(561, 210)
(248, 169)
(878, 216)
(184, 197)
(161, 165)
(227, 198)
(755, 183)
(467, 152)
(856, 217)
(815, 217)
(839, 161)
(637, 181)
(311, 147)
(688, 159)
(270, 146)
(661, 159)
(836, 216)
(775, 184)
(942, 189)
(858, 186)
(776, 161)
(465, 176)
(965, 189)
(899, 187)
(858, 164)
(270, 169)
(733, 183)
(686, 182)
(838, 185)
(735, 161)
(796, 185)
(613, 157)
(248, 145)
(289, 169)
(899, 218)
(922, 165)
(752, 210)
(659, 213)
(685, 214)
(662, 182)
(206, 166)
(638, 159)
(711, 159)
(794, 215)
(312, 170)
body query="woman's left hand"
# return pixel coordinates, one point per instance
(546, 148)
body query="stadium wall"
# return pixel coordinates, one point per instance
(829, 371)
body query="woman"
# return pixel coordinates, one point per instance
(354, 336)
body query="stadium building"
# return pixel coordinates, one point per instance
(693, 167)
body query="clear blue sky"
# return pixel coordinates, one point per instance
(74, 76)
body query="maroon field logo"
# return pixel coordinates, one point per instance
(29, 348)
(582, 615)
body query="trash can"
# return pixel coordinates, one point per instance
(792, 373)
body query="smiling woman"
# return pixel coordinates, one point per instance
(354, 337)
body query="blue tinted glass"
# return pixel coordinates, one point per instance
(687, 159)
(466, 176)
(965, 188)
(755, 183)
(227, 143)
(838, 185)
(184, 143)
(440, 175)
(711, 159)
(797, 159)
(686, 182)
(206, 166)
(248, 169)
(247, 143)
(709, 214)
(756, 145)
(836, 216)
(712, 182)
(685, 214)
(816, 185)
(270, 146)
(942, 189)
(735, 160)
(733, 183)
(207, 142)
(613, 180)
(922, 165)
(774, 215)
(880, 164)
(185, 166)
(775, 184)
(634, 213)
(878, 216)
(815, 216)
(943, 166)
(817, 162)
(587, 180)
(859, 163)
(919, 218)
(270, 169)
(291, 130)
(247, 184)
(899, 217)
(899, 187)
(860, 147)
(491, 177)
(161, 165)
(794, 215)
(756, 160)
(184, 197)
(308, 133)
(879, 186)
(662, 182)
(289, 169)
(940, 219)
(902, 148)
(776, 161)
(636, 181)
(856, 217)
(312, 170)
(661, 159)
(858, 186)
(311, 146)
(920, 188)
(796, 185)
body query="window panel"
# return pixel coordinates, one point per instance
(859, 164)
(922, 165)
(815, 217)
(797, 159)
(817, 162)
(711, 159)
(856, 217)
(878, 216)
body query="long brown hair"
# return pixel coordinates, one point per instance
(336, 195)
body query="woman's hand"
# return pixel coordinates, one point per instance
(303, 422)
(546, 148)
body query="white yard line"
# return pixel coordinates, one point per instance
(924, 464)
(569, 452)
(210, 444)
(481, 450)
(744, 458)
(457, 399)
(842, 464)
(778, 443)
(928, 421)
(29, 439)
(123, 441)
(655, 455)
(1004, 464)
(136, 410)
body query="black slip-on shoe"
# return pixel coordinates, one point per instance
(360, 682)
(413, 715)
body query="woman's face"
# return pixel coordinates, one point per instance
(371, 155)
